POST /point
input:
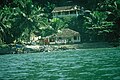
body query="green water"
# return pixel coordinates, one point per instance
(85, 64)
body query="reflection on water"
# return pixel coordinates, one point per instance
(92, 64)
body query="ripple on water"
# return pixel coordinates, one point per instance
(64, 65)
(117, 78)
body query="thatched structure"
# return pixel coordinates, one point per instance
(65, 36)
(67, 33)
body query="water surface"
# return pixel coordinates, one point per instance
(84, 64)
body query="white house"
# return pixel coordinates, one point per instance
(65, 36)
(66, 11)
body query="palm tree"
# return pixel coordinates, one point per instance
(23, 17)
(97, 25)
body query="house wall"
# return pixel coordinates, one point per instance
(61, 41)
(78, 39)
(66, 40)
(65, 13)
(34, 38)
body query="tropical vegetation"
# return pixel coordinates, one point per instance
(98, 20)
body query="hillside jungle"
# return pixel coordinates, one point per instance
(20, 18)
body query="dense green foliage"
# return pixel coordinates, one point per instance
(98, 21)
(20, 20)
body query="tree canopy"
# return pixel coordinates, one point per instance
(20, 18)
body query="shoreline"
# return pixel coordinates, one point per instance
(23, 49)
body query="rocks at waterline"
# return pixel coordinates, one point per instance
(19, 48)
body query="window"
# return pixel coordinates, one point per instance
(59, 38)
(66, 13)
(72, 12)
(59, 13)
(53, 14)
(75, 37)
